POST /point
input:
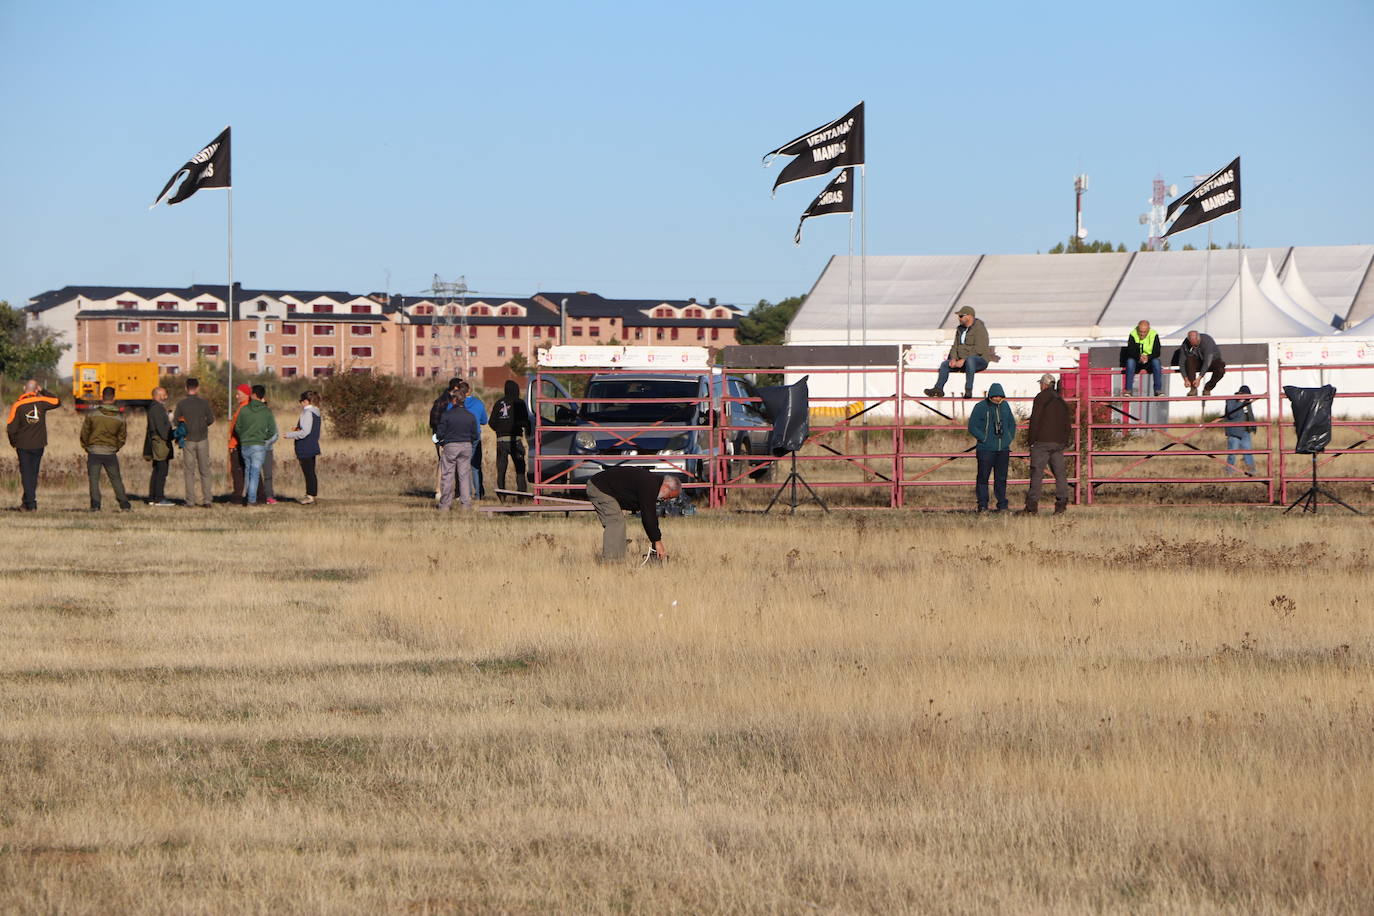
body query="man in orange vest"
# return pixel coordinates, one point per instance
(27, 427)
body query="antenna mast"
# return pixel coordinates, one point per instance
(1080, 185)
(452, 316)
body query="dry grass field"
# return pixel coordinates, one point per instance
(364, 706)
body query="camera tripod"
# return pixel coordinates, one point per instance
(793, 478)
(1309, 499)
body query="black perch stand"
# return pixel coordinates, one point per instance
(793, 478)
(1309, 500)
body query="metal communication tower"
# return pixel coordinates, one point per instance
(450, 328)
(1080, 186)
(1155, 218)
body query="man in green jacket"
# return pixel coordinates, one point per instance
(969, 353)
(993, 426)
(102, 436)
(256, 429)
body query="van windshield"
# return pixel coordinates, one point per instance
(614, 400)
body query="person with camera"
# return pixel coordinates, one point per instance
(510, 420)
(627, 488)
(993, 428)
(157, 447)
(1241, 413)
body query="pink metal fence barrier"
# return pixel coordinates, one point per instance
(878, 442)
(1357, 434)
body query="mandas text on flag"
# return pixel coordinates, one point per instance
(821, 153)
(1211, 203)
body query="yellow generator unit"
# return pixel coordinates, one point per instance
(133, 383)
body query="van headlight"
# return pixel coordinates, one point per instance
(676, 445)
(585, 441)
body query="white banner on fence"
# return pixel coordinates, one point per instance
(1324, 352)
(624, 357)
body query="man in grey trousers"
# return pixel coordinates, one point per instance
(626, 487)
(1050, 432)
(455, 434)
(195, 412)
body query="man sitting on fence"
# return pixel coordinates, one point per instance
(1197, 356)
(1142, 352)
(970, 352)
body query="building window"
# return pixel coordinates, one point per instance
(361, 330)
(128, 327)
(168, 349)
(322, 308)
(323, 330)
(472, 331)
(126, 304)
(208, 306)
(420, 350)
(253, 334)
(639, 333)
(424, 310)
(168, 327)
(268, 326)
(288, 350)
(715, 333)
(659, 335)
(420, 332)
(663, 313)
(433, 351)
(472, 372)
(500, 330)
(510, 310)
(323, 371)
(165, 306)
(701, 333)
(594, 331)
(290, 307)
(262, 305)
(420, 372)
(576, 331)
(500, 351)
(361, 310)
(128, 349)
(169, 370)
(268, 348)
(361, 370)
(207, 327)
(515, 332)
(479, 310)
(208, 350)
(253, 356)
(361, 352)
(674, 334)
(288, 371)
(693, 313)
(323, 351)
(288, 329)
(514, 351)
(472, 351)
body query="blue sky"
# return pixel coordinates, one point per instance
(616, 147)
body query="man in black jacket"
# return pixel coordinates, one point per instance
(436, 410)
(627, 487)
(27, 428)
(510, 420)
(157, 447)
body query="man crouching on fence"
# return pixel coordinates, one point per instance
(1051, 430)
(620, 488)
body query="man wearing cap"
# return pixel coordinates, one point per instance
(1051, 429)
(993, 427)
(969, 352)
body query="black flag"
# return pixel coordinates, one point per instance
(838, 197)
(1217, 195)
(208, 168)
(841, 142)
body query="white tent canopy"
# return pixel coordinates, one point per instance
(1246, 313)
(1273, 290)
(1298, 291)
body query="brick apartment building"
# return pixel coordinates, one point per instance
(315, 333)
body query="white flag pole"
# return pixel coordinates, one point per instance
(230, 323)
(863, 268)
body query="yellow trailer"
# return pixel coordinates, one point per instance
(133, 383)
